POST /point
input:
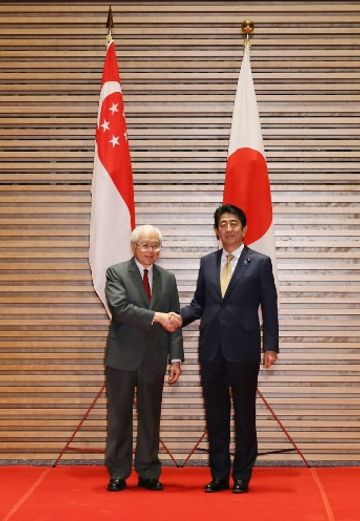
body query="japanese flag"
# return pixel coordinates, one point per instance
(246, 181)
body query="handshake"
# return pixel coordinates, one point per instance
(169, 321)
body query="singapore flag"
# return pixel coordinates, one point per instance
(112, 209)
(246, 181)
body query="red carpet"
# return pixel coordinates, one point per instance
(277, 494)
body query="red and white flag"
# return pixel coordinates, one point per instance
(112, 210)
(246, 181)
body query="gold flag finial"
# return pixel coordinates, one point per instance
(247, 28)
(109, 25)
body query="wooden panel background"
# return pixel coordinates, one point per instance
(179, 63)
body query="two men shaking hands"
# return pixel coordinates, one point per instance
(169, 321)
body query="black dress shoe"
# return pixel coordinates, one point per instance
(216, 485)
(116, 484)
(150, 484)
(240, 486)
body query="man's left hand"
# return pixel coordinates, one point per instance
(174, 373)
(270, 358)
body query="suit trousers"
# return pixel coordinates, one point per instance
(121, 386)
(223, 380)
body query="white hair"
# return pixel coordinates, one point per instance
(144, 228)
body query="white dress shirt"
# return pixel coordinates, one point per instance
(234, 261)
(150, 276)
(150, 272)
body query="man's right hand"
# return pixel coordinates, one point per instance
(169, 321)
(175, 319)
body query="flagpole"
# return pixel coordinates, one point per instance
(68, 447)
(247, 28)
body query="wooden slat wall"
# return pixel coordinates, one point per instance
(179, 64)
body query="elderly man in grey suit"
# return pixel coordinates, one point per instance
(141, 342)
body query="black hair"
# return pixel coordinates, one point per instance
(229, 208)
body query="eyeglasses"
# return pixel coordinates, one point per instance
(145, 246)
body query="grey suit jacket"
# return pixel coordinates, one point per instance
(132, 337)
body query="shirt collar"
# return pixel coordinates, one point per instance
(141, 268)
(236, 252)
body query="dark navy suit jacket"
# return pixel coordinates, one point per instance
(232, 323)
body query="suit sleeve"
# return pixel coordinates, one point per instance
(269, 308)
(121, 310)
(195, 309)
(176, 339)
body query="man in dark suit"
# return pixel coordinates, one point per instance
(140, 344)
(233, 284)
